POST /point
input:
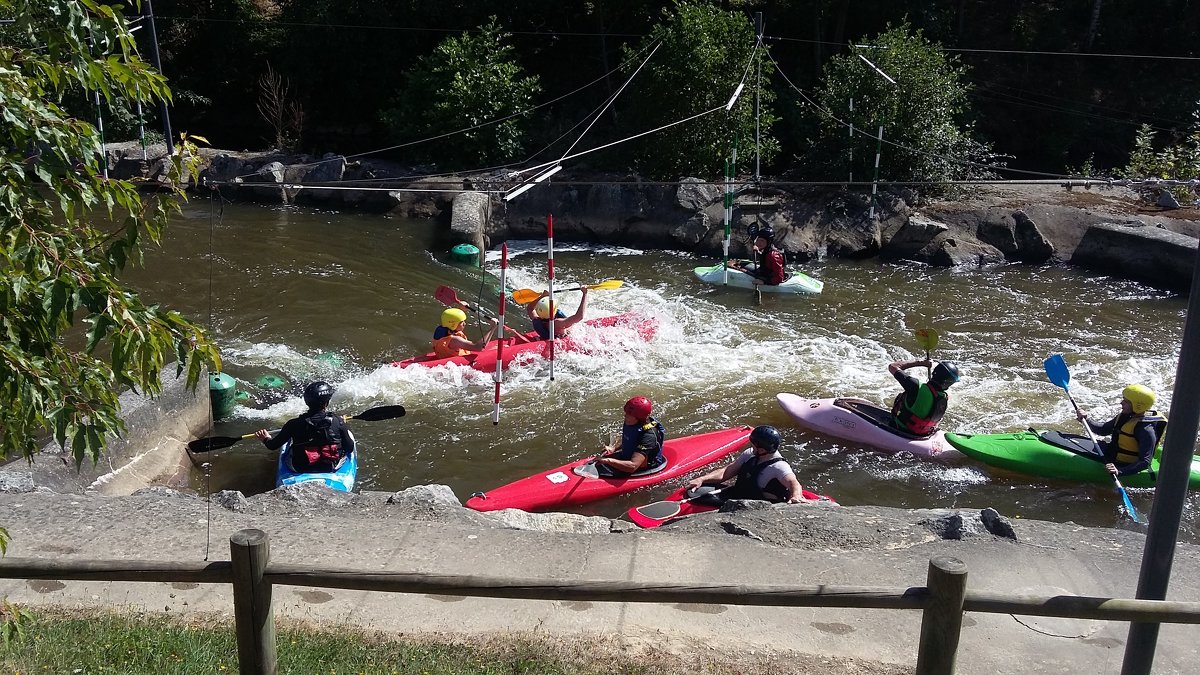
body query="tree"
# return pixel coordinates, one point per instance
(704, 55)
(1177, 161)
(66, 234)
(924, 113)
(471, 82)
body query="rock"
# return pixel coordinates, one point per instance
(734, 528)
(953, 252)
(468, 217)
(231, 500)
(551, 522)
(16, 481)
(694, 230)
(1032, 245)
(952, 525)
(1166, 199)
(425, 494)
(1000, 233)
(997, 524)
(1155, 256)
(309, 495)
(224, 168)
(914, 236)
(694, 194)
(330, 168)
(161, 491)
(271, 173)
(733, 505)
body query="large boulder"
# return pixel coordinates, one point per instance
(1032, 245)
(915, 236)
(1153, 255)
(952, 252)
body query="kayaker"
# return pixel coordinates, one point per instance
(641, 441)
(920, 407)
(450, 340)
(319, 438)
(1135, 431)
(539, 313)
(770, 269)
(761, 472)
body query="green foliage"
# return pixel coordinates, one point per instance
(66, 234)
(927, 136)
(1178, 161)
(467, 81)
(703, 55)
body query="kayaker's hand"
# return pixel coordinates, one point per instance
(263, 435)
(1082, 417)
(796, 500)
(1112, 468)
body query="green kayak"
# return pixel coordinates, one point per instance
(1053, 455)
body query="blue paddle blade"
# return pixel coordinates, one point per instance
(1056, 370)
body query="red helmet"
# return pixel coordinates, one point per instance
(639, 407)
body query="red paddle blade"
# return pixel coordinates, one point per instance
(447, 296)
(653, 515)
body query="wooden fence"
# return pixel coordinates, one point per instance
(942, 600)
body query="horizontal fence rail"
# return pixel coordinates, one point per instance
(943, 599)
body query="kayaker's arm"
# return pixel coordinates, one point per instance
(561, 325)
(795, 490)
(460, 343)
(905, 365)
(625, 465)
(716, 475)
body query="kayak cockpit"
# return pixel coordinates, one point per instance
(880, 417)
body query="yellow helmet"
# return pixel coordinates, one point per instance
(544, 308)
(1140, 398)
(452, 317)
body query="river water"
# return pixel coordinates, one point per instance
(298, 294)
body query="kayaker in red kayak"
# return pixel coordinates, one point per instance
(319, 438)
(641, 442)
(1135, 432)
(920, 407)
(450, 340)
(761, 472)
(540, 311)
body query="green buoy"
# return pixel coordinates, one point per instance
(271, 382)
(241, 396)
(222, 390)
(465, 253)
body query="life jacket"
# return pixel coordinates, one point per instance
(772, 267)
(746, 485)
(441, 343)
(632, 433)
(1125, 442)
(542, 326)
(323, 449)
(922, 417)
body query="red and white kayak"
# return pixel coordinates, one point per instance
(642, 326)
(685, 503)
(859, 420)
(577, 482)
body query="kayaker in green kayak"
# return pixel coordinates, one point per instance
(760, 471)
(770, 269)
(1135, 431)
(641, 442)
(918, 409)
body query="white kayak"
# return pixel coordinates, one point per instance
(797, 282)
(859, 420)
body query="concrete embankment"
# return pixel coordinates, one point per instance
(424, 530)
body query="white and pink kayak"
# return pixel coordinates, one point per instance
(859, 420)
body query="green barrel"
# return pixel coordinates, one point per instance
(222, 389)
(465, 253)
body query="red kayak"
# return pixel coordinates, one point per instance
(682, 504)
(579, 483)
(485, 360)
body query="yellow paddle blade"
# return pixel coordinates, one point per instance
(524, 296)
(927, 338)
(607, 285)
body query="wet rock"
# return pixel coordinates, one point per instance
(468, 216)
(1167, 200)
(954, 252)
(1156, 256)
(997, 524)
(694, 230)
(914, 236)
(1032, 245)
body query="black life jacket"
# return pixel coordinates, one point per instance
(323, 448)
(746, 486)
(631, 433)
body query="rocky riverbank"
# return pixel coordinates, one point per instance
(1098, 227)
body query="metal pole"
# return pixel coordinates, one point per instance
(758, 32)
(1171, 490)
(148, 12)
(852, 140)
(875, 182)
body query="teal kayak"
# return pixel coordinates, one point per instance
(1053, 455)
(797, 282)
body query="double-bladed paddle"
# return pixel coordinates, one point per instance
(524, 296)
(1060, 376)
(448, 297)
(653, 515)
(383, 412)
(927, 338)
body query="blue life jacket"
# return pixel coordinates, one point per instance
(542, 326)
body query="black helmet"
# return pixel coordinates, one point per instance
(317, 394)
(765, 231)
(944, 375)
(766, 437)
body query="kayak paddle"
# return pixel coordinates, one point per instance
(1060, 376)
(383, 412)
(927, 338)
(653, 515)
(524, 296)
(448, 297)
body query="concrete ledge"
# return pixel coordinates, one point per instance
(1153, 255)
(152, 451)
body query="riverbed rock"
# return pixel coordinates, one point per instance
(915, 236)
(951, 252)
(1153, 255)
(694, 194)
(997, 524)
(551, 522)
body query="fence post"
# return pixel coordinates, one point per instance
(249, 552)
(941, 622)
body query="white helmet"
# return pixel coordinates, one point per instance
(544, 308)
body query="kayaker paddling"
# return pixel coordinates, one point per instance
(760, 471)
(1135, 431)
(449, 340)
(319, 439)
(920, 407)
(641, 442)
(770, 269)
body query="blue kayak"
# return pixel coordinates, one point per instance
(341, 478)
